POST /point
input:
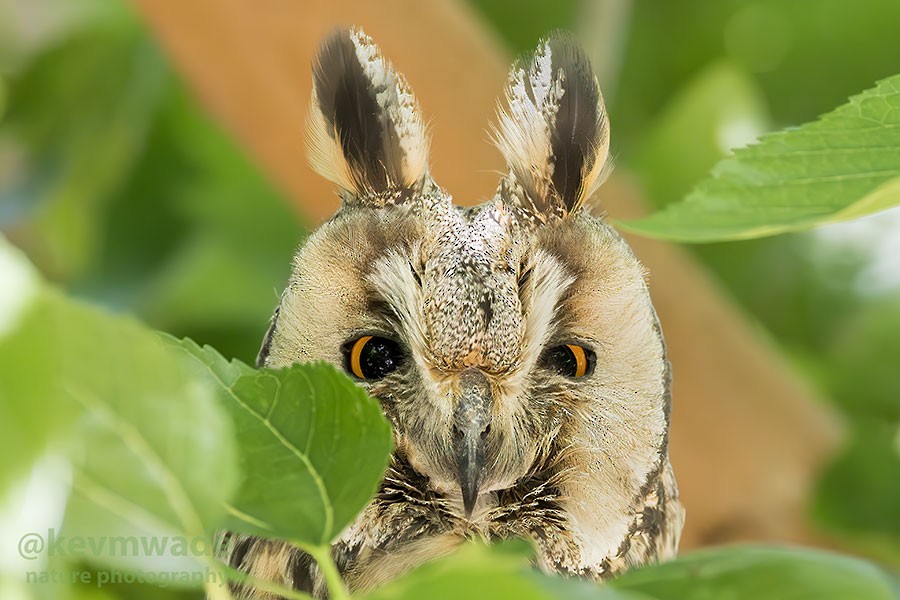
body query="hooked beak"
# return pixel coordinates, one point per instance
(472, 419)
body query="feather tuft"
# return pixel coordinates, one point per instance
(554, 132)
(365, 129)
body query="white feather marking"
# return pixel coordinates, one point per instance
(394, 281)
(542, 74)
(524, 129)
(393, 95)
(550, 283)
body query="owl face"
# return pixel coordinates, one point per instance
(506, 341)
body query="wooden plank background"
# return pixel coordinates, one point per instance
(747, 437)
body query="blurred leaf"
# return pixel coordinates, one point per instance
(499, 573)
(211, 283)
(197, 242)
(718, 110)
(798, 51)
(314, 446)
(131, 195)
(130, 591)
(32, 411)
(30, 26)
(3, 94)
(841, 166)
(81, 111)
(521, 23)
(151, 449)
(864, 378)
(15, 589)
(142, 225)
(154, 455)
(858, 496)
(814, 36)
(230, 268)
(749, 573)
(809, 289)
(734, 573)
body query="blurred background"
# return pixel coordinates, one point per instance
(151, 160)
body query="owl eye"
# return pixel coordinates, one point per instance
(371, 357)
(570, 360)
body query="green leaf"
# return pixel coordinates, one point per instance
(719, 109)
(845, 165)
(152, 435)
(152, 452)
(313, 444)
(32, 412)
(154, 457)
(498, 573)
(750, 573)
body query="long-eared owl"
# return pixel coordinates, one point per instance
(513, 345)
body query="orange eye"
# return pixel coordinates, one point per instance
(371, 357)
(355, 354)
(570, 360)
(581, 361)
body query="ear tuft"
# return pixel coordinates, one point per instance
(555, 132)
(365, 130)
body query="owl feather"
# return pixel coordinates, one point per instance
(365, 130)
(554, 132)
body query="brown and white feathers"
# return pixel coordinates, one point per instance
(501, 430)
(365, 130)
(554, 132)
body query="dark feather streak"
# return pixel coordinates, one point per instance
(577, 129)
(347, 99)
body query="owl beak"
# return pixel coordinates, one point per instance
(472, 418)
(470, 462)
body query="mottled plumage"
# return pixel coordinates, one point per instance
(529, 388)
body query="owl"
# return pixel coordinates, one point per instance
(513, 345)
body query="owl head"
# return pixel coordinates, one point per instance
(504, 341)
